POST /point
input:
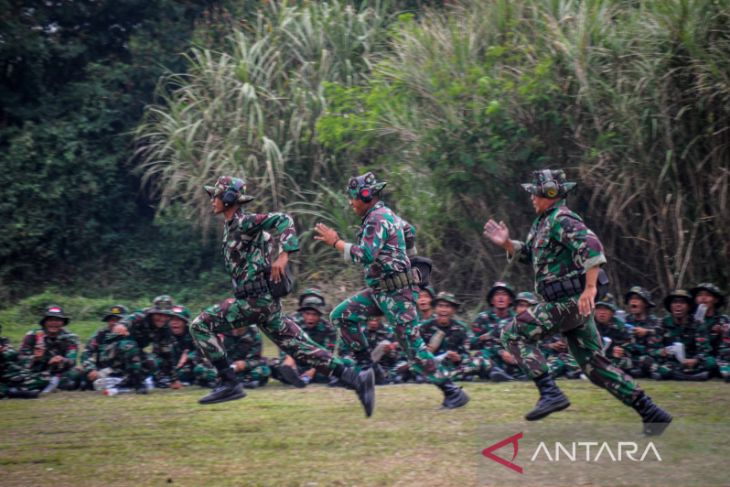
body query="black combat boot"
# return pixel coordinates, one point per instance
(655, 419)
(499, 375)
(697, 376)
(289, 376)
(363, 383)
(454, 396)
(14, 393)
(229, 389)
(551, 399)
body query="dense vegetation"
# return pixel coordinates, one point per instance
(454, 105)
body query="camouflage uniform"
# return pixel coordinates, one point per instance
(645, 352)
(64, 344)
(619, 336)
(382, 245)
(560, 246)
(717, 326)
(194, 369)
(323, 333)
(457, 338)
(247, 348)
(248, 247)
(488, 323)
(560, 363)
(12, 374)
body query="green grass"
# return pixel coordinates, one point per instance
(282, 436)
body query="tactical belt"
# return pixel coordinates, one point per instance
(252, 289)
(394, 281)
(562, 288)
(571, 286)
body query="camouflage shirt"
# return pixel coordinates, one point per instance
(559, 245)
(487, 322)
(383, 244)
(649, 344)
(248, 245)
(323, 332)
(694, 336)
(65, 344)
(93, 357)
(457, 339)
(143, 330)
(246, 347)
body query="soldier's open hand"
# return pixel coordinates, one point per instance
(498, 233)
(325, 234)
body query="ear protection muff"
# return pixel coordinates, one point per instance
(550, 189)
(230, 196)
(363, 185)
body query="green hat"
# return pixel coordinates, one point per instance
(496, 287)
(447, 298)
(643, 293)
(55, 311)
(364, 187)
(527, 297)
(712, 289)
(231, 190)
(116, 311)
(312, 303)
(312, 291)
(180, 312)
(678, 294)
(162, 305)
(607, 301)
(549, 183)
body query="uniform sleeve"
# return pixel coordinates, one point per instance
(586, 248)
(72, 352)
(522, 254)
(88, 357)
(409, 232)
(374, 236)
(26, 347)
(279, 224)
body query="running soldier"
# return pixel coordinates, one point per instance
(382, 247)
(567, 258)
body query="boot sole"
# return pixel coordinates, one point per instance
(656, 429)
(232, 397)
(290, 377)
(367, 388)
(535, 417)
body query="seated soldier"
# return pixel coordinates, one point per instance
(150, 327)
(688, 352)
(646, 342)
(424, 302)
(103, 358)
(615, 334)
(709, 300)
(189, 367)
(391, 364)
(51, 351)
(15, 380)
(309, 317)
(243, 347)
(448, 339)
(487, 329)
(560, 362)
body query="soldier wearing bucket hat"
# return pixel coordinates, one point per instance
(646, 344)
(383, 247)
(94, 357)
(566, 257)
(51, 350)
(448, 338)
(424, 302)
(15, 380)
(310, 318)
(487, 329)
(710, 300)
(260, 277)
(688, 352)
(615, 334)
(524, 300)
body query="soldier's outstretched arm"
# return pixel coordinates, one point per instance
(498, 234)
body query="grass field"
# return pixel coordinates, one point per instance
(280, 436)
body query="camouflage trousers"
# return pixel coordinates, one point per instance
(562, 363)
(265, 312)
(666, 368)
(399, 308)
(260, 373)
(18, 377)
(190, 372)
(492, 359)
(125, 358)
(546, 319)
(467, 368)
(68, 381)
